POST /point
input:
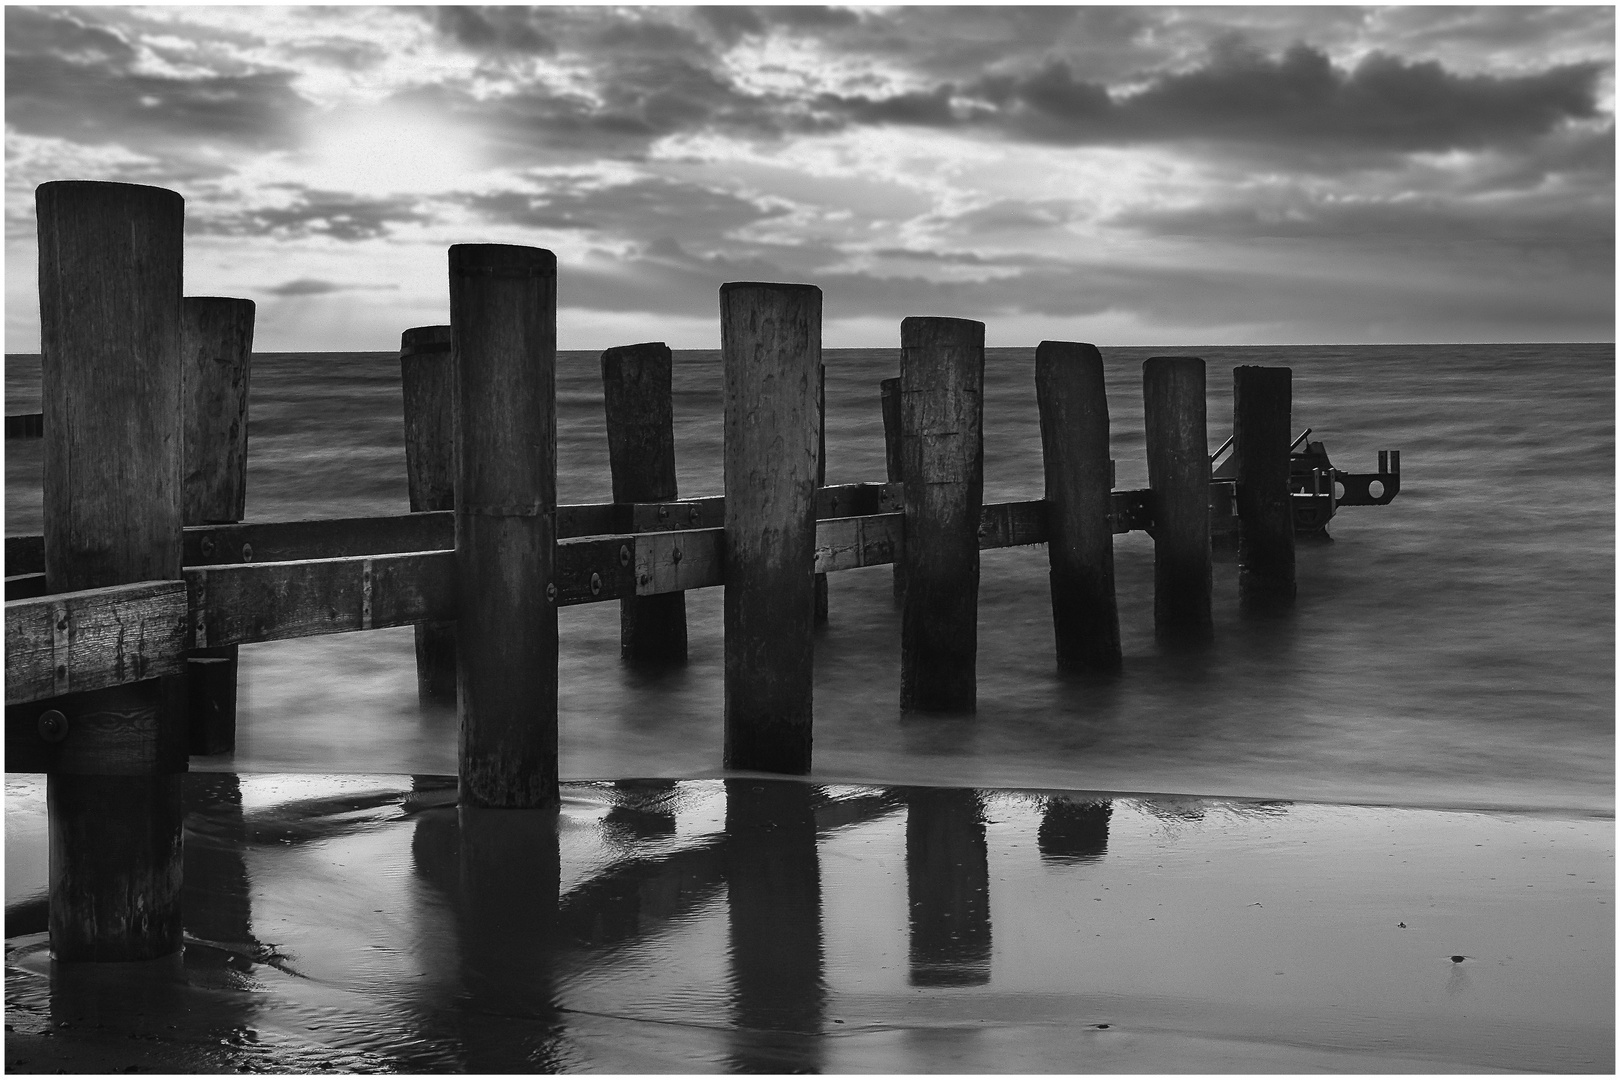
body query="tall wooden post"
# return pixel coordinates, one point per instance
(942, 457)
(893, 471)
(109, 297)
(821, 480)
(216, 335)
(638, 397)
(503, 308)
(1178, 473)
(1080, 541)
(1262, 398)
(427, 377)
(770, 344)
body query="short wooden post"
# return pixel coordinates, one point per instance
(503, 308)
(1080, 541)
(216, 334)
(638, 397)
(1262, 398)
(770, 344)
(427, 377)
(821, 481)
(1178, 473)
(942, 459)
(890, 390)
(109, 298)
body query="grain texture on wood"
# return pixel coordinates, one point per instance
(770, 344)
(1178, 473)
(69, 642)
(503, 308)
(110, 280)
(322, 538)
(638, 399)
(821, 483)
(114, 731)
(1073, 407)
(428, 384)
(1262, 398)
(942, 454)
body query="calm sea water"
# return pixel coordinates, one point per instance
(1455, 648)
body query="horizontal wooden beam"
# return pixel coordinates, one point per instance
(70, 642)
(23, 586)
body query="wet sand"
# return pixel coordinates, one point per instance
(364, 923)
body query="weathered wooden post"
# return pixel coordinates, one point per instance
(638, 397)
(216, 334)
(1178, 473)
(890, 390)
(1262, 398)
(942, 459)
(770, 344)
(427, 377)
(109, 298)
(821, 481)
(1073, 405)
(503, 310)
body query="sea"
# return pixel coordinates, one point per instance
(1452, 649)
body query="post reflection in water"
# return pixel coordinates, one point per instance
(1074, 830)
(947, 887)
(774, 898)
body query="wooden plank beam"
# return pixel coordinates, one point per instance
(94, 638)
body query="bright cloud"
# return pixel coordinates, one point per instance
(1128, 175)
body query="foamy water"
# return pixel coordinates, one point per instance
(1454, 648)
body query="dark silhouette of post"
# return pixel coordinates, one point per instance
(942, 458)
(216, 334)
(821, 480)
(503, 308)
(110, 337)
(1080, 540)
(1178, 473)
(1262, 398)
(770, 343)
(773, 894)
(1074, 830)
(427, 377)
(893, 470)
(638, 398)
(947, 887)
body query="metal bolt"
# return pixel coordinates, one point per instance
(663, 513)
(208, 547)
(53, 726)
(693, 516)
(624, 554)
(247, 552)
(596, 584)
(551, 592)
(677, 556)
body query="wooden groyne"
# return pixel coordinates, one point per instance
(123, 617)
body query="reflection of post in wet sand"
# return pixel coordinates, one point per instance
(948, 887)
(1074, 830)
(216, 903)
(774, 892)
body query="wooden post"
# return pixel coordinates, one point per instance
(890, 389)
(1080, 541)
(503, 308)
(109, 297)
(942, 458)
(821, 481)
(1178, 473)
(216, 334)
(427, 377)
(638, 397)
(1262, 398)
(770, 344)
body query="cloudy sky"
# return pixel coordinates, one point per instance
(1117, 175)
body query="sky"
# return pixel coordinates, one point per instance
(1117, 175)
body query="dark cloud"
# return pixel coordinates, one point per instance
(504, 29)
(311, 213)
(318, 287)
(68, 79)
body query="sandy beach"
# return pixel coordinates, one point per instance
(363, 923)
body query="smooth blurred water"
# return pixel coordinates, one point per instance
(1454, 648)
